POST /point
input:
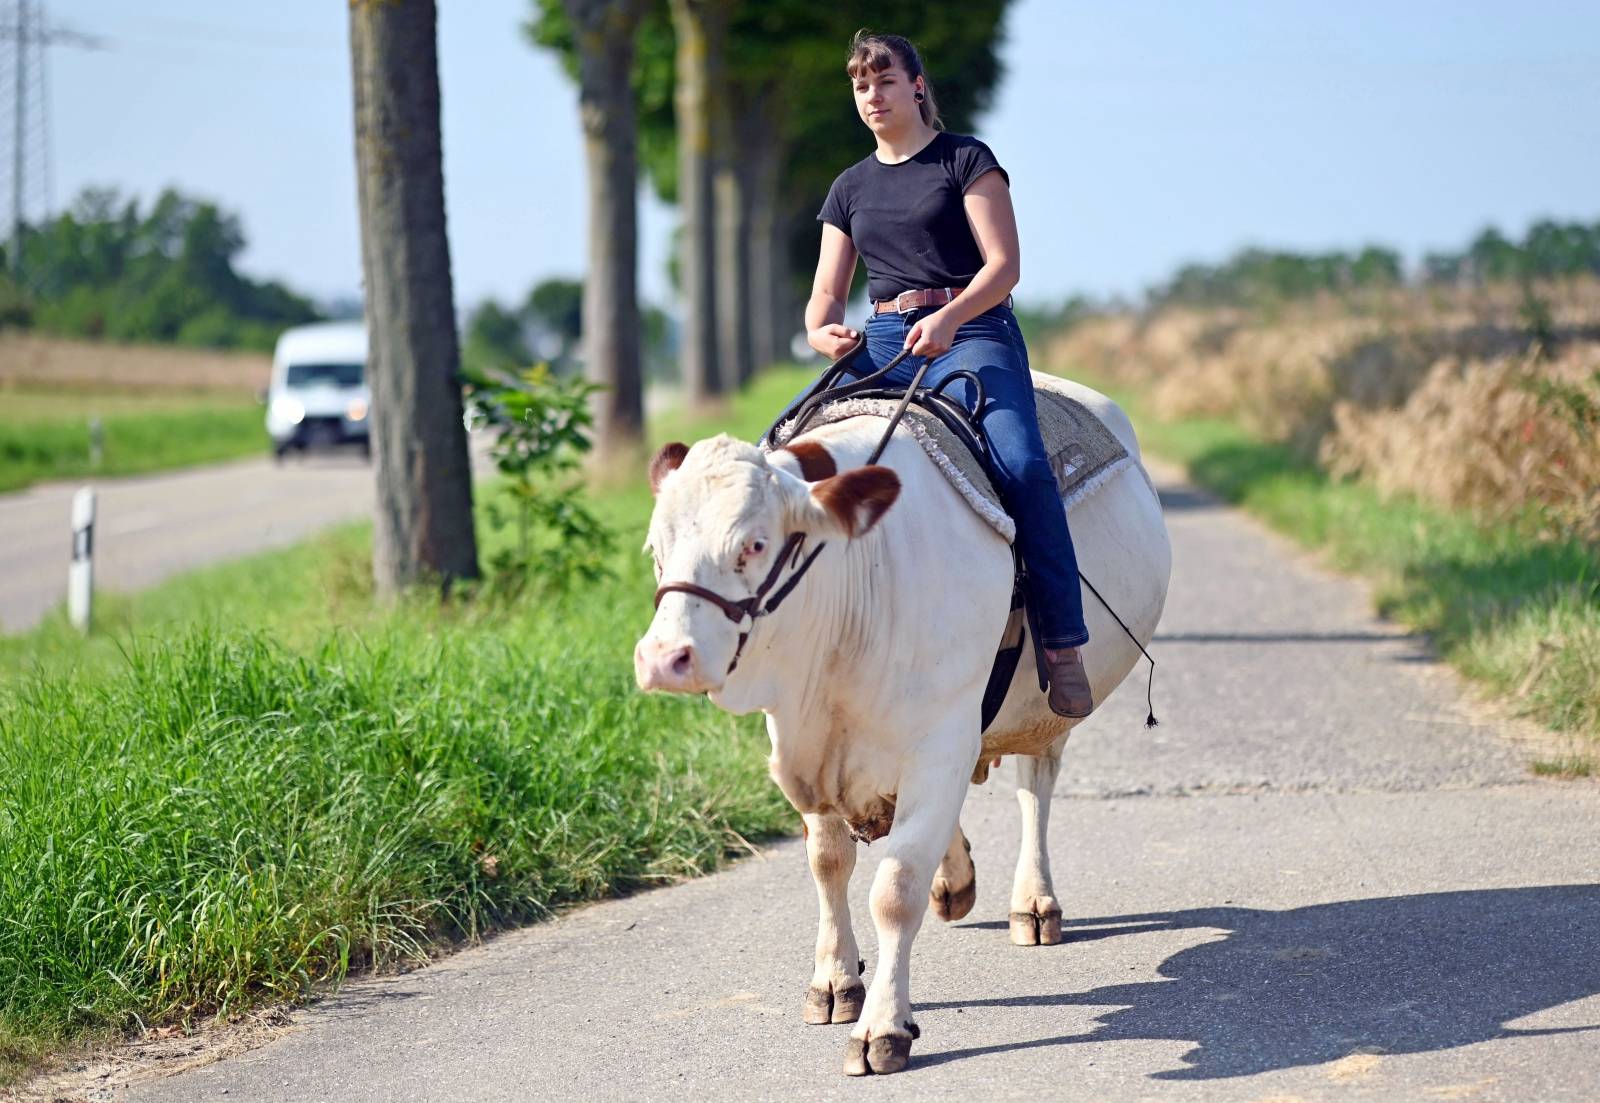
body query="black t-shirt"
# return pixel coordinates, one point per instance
(907, 220)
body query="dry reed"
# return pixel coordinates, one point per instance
(1472, 398)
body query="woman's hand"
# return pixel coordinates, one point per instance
(932, 335)
(833, 341)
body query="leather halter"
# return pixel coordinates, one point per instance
(751, 606)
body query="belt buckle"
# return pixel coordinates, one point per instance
(898, 309)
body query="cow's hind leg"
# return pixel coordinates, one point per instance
(955, 886)
(836, 993)
(926, 809)
(1035, 912)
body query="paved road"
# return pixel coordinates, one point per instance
(1325, 876)
(153, 526)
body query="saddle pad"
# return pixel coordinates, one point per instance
(1083, 453)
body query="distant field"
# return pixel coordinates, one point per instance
(33, 403)
(45, 432)
(159, 407)
(58, 363)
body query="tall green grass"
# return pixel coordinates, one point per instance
(254, 781)
(40, 440)
(1512, 609)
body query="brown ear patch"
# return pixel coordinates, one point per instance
(816, 462)
(665, 463)
(859, 497)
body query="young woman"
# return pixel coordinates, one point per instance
(930, 214)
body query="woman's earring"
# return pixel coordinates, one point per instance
(918, 97)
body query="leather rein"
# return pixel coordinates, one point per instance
(751, 608)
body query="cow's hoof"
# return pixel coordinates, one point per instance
(952, 904)
(834, 1005)
(885, 1053)
(1041, 929)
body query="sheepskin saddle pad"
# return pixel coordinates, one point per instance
(1083, 453)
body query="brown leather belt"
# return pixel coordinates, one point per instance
(915, 300)
(918, 300)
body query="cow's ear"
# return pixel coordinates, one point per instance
(855, 500)
(666, 461)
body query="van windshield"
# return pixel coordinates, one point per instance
(324, 375)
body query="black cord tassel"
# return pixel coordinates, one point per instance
(1150, 720)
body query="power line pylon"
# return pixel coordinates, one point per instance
(31, 35)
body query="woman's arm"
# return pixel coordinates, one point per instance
(994, 227)
(830, 289)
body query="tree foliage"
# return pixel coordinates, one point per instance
(1253, 277)
(792, 55)
(1549, 249)
(495, 340)
(106, 268)
(541, 428)
(546, 326)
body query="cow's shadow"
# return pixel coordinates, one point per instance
(1281, 989)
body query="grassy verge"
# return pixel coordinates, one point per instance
(252, 781)
(44, 434)
(1519, 614)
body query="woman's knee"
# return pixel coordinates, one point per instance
(1021, 470)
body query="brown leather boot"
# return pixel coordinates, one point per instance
(1069, 683)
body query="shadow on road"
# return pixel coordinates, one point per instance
(1176, 498)
(1282, 989)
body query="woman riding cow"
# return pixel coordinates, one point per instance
(930, 214)
(790, 581)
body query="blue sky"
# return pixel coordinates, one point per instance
(1137, 135)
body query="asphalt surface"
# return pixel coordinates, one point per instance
(150, 527)
(1327, 875)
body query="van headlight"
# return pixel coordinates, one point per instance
(289, 409)
(357, 410)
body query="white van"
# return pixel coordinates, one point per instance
(318, 393)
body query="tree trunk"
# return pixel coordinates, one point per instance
(735, 353)
(788, 304)
(424, 508)
(699, 26)
(762, 149)
(605, 32)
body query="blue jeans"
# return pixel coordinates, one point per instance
(991, 347)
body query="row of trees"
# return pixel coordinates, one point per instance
(1258, 276)
(740, 114)
(1548, 250)
(547, 326)
(108, 268)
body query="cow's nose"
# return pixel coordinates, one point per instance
(669, 667)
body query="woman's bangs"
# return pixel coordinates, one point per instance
(872, 57)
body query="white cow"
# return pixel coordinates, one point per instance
(871, 670)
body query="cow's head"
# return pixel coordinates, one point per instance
(722, 517)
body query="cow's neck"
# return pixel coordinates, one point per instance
(878, 643)
(799, 659)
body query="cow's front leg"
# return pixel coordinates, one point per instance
(1035, 913)
(926, 809)
(836, 991)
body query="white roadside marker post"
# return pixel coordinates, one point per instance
(80, 575)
